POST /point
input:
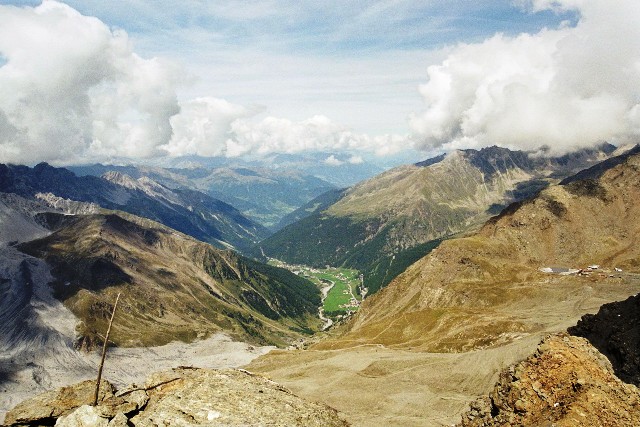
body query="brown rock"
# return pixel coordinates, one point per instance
(582, 389)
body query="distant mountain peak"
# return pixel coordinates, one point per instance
(121, 179)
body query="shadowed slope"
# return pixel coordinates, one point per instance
(174, 287)
(191, 212)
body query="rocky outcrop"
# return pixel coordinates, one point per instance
(182, 396)
(566, 382)
(51, 405)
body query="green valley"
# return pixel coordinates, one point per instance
(342, 288)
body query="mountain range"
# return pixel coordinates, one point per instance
(339, 169)
(470, 293)
(262, 194)
(191, 212)
(384, 224)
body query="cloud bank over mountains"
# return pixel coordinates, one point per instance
(567, 88)
(73, 90)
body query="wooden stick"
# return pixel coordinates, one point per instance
(104, 352)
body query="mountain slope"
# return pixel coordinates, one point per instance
(380, 224)
(318, 204)
(174, 287)
(263, 194)
(187, 211)
(466, 294)
(419, 351)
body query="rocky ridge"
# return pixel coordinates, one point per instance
(188, 211)
(566, 382)
(264, 194)
(182, 396)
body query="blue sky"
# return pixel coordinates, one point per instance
(358, 62)
(257, 76)
(317, 28)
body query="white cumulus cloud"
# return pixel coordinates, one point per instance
(318, 133)
(333, 161)
(568, 87)
(73, 89)
(203, 127)
(356, 160)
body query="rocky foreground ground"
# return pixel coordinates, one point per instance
(566, 382)
(180, 397)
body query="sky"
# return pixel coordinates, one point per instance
(86, 80)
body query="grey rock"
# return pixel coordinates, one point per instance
(84, 416)
(120, 420)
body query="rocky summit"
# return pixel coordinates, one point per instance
(181, 397)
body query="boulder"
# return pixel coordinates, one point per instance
(84, 416)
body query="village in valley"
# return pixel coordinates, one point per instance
(342, 289)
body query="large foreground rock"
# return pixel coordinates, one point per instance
(183, 397)
(45, 408)
(567, 382)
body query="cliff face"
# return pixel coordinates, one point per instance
(182, 396)
(615, 332)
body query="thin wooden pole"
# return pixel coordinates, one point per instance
(104, 352)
